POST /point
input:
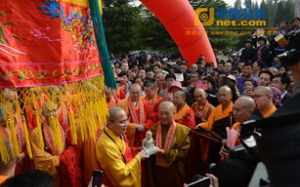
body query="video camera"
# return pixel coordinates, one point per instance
(289, 45)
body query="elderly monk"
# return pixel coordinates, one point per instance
(184, 114)
(264, 101)
(173, 138)
(243, 110)
(121, 168)
(219, 119)
(240, 163)
(201, 107)
(223, 110)
(134, 107)
(151, 103)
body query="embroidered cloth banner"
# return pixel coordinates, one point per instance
(46, 42)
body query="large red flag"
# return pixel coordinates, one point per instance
(179, 19)
(46, 42)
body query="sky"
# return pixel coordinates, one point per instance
(231, 2)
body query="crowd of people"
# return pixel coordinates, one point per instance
(169, 122)
(250, 83)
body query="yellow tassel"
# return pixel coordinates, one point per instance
(57, 134)
(13, 135)
(72, 126)
(4, 154)
(27, 141)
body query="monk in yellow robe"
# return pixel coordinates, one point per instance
(7, 157)
(174, 139)
(48, 142)
(184, 114)
(121, 168)
(264, 101)
(134, 107)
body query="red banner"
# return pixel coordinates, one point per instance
(46, 42)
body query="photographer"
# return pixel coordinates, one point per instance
(278, 145)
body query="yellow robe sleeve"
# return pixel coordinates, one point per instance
(42, 159)
(119, 173)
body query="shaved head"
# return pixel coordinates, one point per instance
(179, 98)
(117, 121)
(246, 102)
(114, 113)
(135, 92)
(200, 96)
(224, 95)
(166, 112)
(263, 98)
(200, 91)
(168, 105)
(263, 90)
(243, 108)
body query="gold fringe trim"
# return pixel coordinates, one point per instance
(81, 109)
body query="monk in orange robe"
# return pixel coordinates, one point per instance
(184, 115)
(122, 87)
(264, 101)
(134, 107)
(201, 107)
(243, 110)
(219, 119)
(223, 110)
(151, 103)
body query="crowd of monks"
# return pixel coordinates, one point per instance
(179, 131)
(181, 135)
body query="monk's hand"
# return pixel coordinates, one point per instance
(214, 182)
(140, 127)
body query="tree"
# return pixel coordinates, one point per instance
(297, 8)
(279, 17)
(248, 4)
(238, 4)
(120, 23)
(208, 3)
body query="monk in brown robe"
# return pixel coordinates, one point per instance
(172, 137)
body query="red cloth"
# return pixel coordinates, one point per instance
(151, 111)
(70, 172)
(46, 42)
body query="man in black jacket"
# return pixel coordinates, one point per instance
(279, 145)
(248, 53)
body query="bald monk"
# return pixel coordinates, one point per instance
(201, 107)
(134, 107)
(223, 110)
(173, 139)
(220, 118)
(121, 168)
(243, 110)
(240, 163)
(263, 97)
(184, 114)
